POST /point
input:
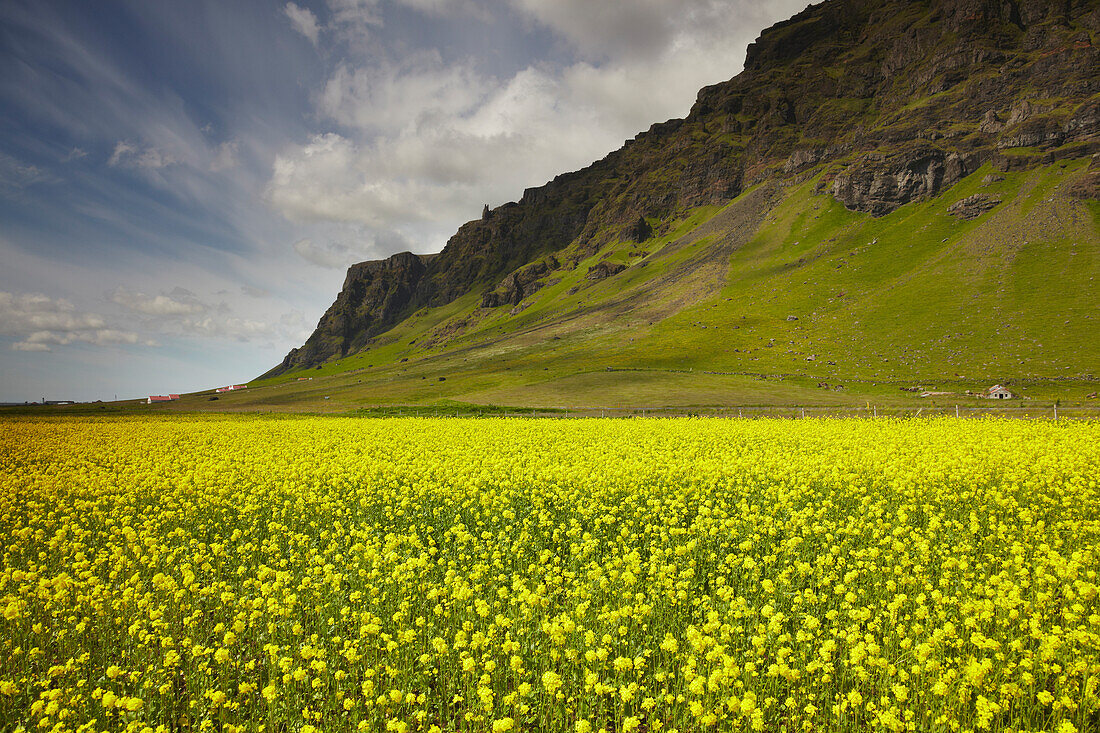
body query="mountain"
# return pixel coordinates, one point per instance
(889, 190)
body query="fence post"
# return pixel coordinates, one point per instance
(1055, 410)
(803, 413)
(876, 410)
(956, 411)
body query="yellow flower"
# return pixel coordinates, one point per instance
(795, 553)
(551, 681)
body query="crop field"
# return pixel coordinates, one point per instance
(327, 574)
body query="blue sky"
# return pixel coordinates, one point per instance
(182, 184)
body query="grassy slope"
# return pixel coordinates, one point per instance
(916, 297)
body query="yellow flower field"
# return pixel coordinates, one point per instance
(326, 574)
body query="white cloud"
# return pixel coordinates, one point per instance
(391, 97)
(642, 30)
(304, 21)
(359, 14)
(609, 28)
(293, 318)
(254, 292)
(452, 8)
(98, 337)
(183, 304)
(356, 15)
(39, 322)
(226, 156)
(448, 160)
(20, 314)
(129, 155)
(237, 329)
(16, 174)
(333, 179)
(26, 346)
(320, 255)
(424, 143)
(355, 245)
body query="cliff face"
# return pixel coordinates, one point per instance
(891, 100)
(900, 101)
(373, 297)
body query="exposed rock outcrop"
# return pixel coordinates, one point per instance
(519, 284)
(603, 270)
(1087, 186)
(879, 183)
(972, 207)
(802, 159)
(640, 232)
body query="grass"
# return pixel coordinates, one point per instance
(915, 297)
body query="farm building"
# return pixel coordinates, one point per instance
(997, 392)
(231, 387)
(161, 398)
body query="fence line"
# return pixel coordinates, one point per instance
(1049, 411)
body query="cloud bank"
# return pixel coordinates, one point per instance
(38, 322)
(418, 143)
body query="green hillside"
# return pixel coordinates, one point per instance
(700, 315)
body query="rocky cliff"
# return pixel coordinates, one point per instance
(374, 295)
(889, 101)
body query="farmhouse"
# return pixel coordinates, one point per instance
(997, 392)
(230, 388)
(161, 398)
